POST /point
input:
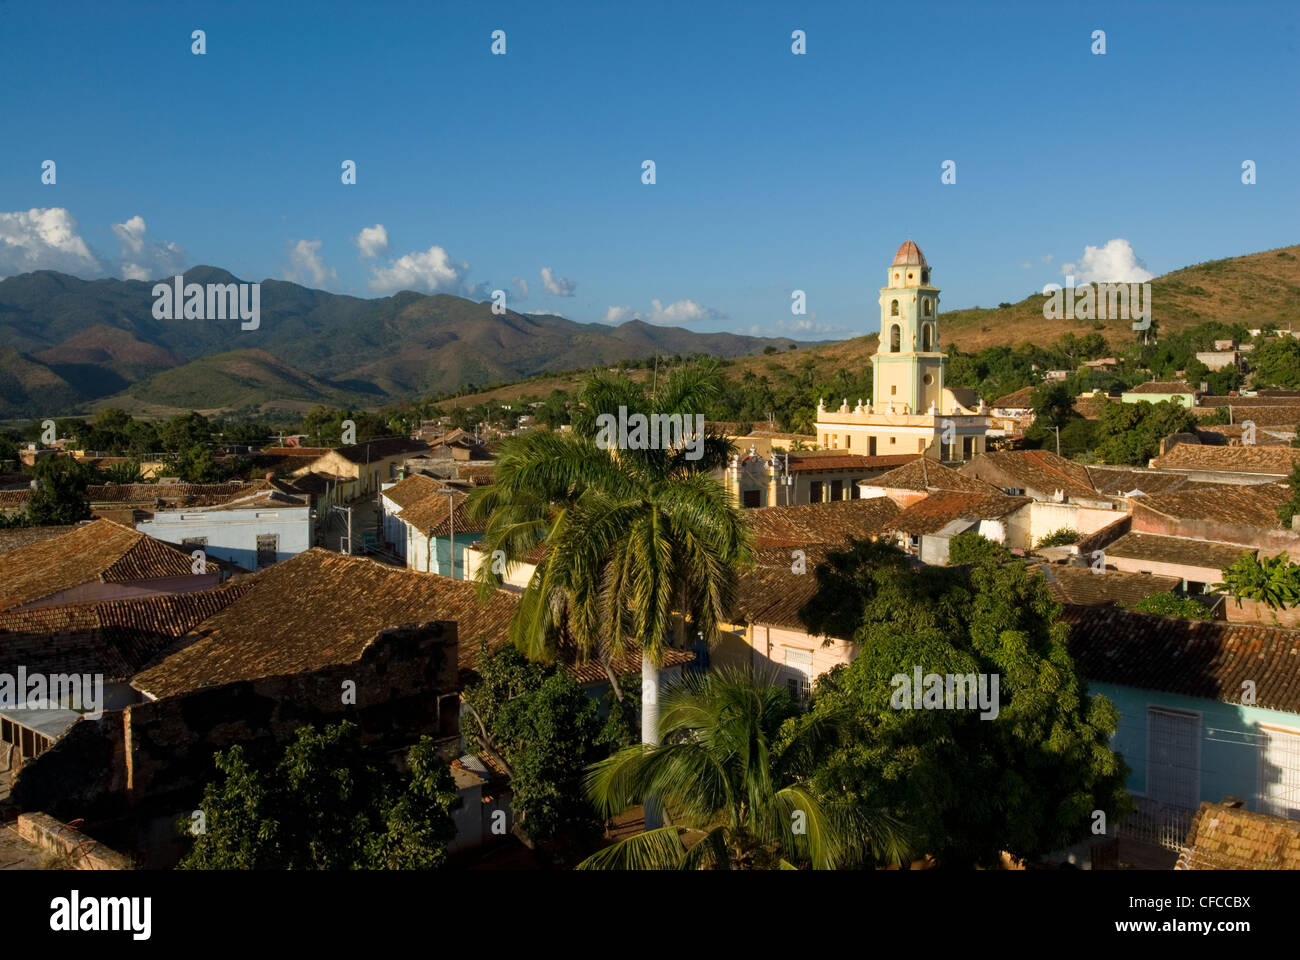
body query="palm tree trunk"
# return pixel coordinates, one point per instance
(613, 678)
(650, 727)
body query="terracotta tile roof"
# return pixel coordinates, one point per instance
(771, 592)
(940, 509)
(1273, 461)
(1121, 481)
(321, 608)
(15, 537)
(430, 515)
(1017, 399)
(1196, 658)
(102, 550)
(1082, 586)
(1163, 386)
(171, 494)
(1225, 434)
(926, 474)
(115, 638)
(1264, 415)
(1230, 838)
(260, 500)
(815, 460)
(307, 452)
(483, 470)
(1037, 470)
(412, 489)
(1100, 539)
(1158, 548)
(909, 255)
(821, 523)
(381, 449)
(1252, 505)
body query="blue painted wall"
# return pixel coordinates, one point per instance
(232, 534)
(1229, 737)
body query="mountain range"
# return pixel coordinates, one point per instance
(69, 345)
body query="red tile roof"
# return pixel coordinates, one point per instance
(1158, 548)
(100, 551)
(1272, 461)
(1083, 586)
(1230, 838)
(1210, 659)
(940, 509)
(909, 255)
(926, 474)
(1253, 505)
(813, 461)
(821, 523)
(1163, 386)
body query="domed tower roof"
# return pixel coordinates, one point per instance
(909, 255)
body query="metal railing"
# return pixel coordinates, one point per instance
(1157, 823)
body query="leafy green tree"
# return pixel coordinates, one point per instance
(1059, 538)
(972, 547)
(1053, 403)
(1274, 581)
(739, 792)
(1025, 781)
(1130, 433)
(1291, 507)
(182, 432)
(60, 493)
(1172, 605)
(1277, 363)
(544, 730)
(327, 804)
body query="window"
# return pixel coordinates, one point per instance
(895, 337)
(893, 440)
(927, 379)
(835, 441)
(928, 304)
(893, 308)
(967, 447)
(1173, 757)
(749, 498)
(799, 667)
(927, 340)
(925, 276)
(910, 274)
(194, 542)
(815, 492)
(893, 389)
(871, 447)
(837, 489)
(268, 548)
(848, 441)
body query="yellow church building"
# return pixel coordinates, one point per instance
(911, 411)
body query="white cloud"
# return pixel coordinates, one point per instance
(672, 314)
(145, 259)
(679, 312)
(522, 286)
(45, 239)
(431, 271)
(1114, 263)
(372, 241)
(307, 267)
(559, 286)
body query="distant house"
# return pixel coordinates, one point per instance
(252, 531)
(926, 528)
(815, 476)
(1157, 391)
(1241, 464)
(363, 467)
(1207, 709)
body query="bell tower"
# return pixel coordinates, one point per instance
(907, 367)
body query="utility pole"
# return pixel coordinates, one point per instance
(1058, 441)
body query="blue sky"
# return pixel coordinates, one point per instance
(774, 171)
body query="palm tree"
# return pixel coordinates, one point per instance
(739, 792)
(638, 540)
